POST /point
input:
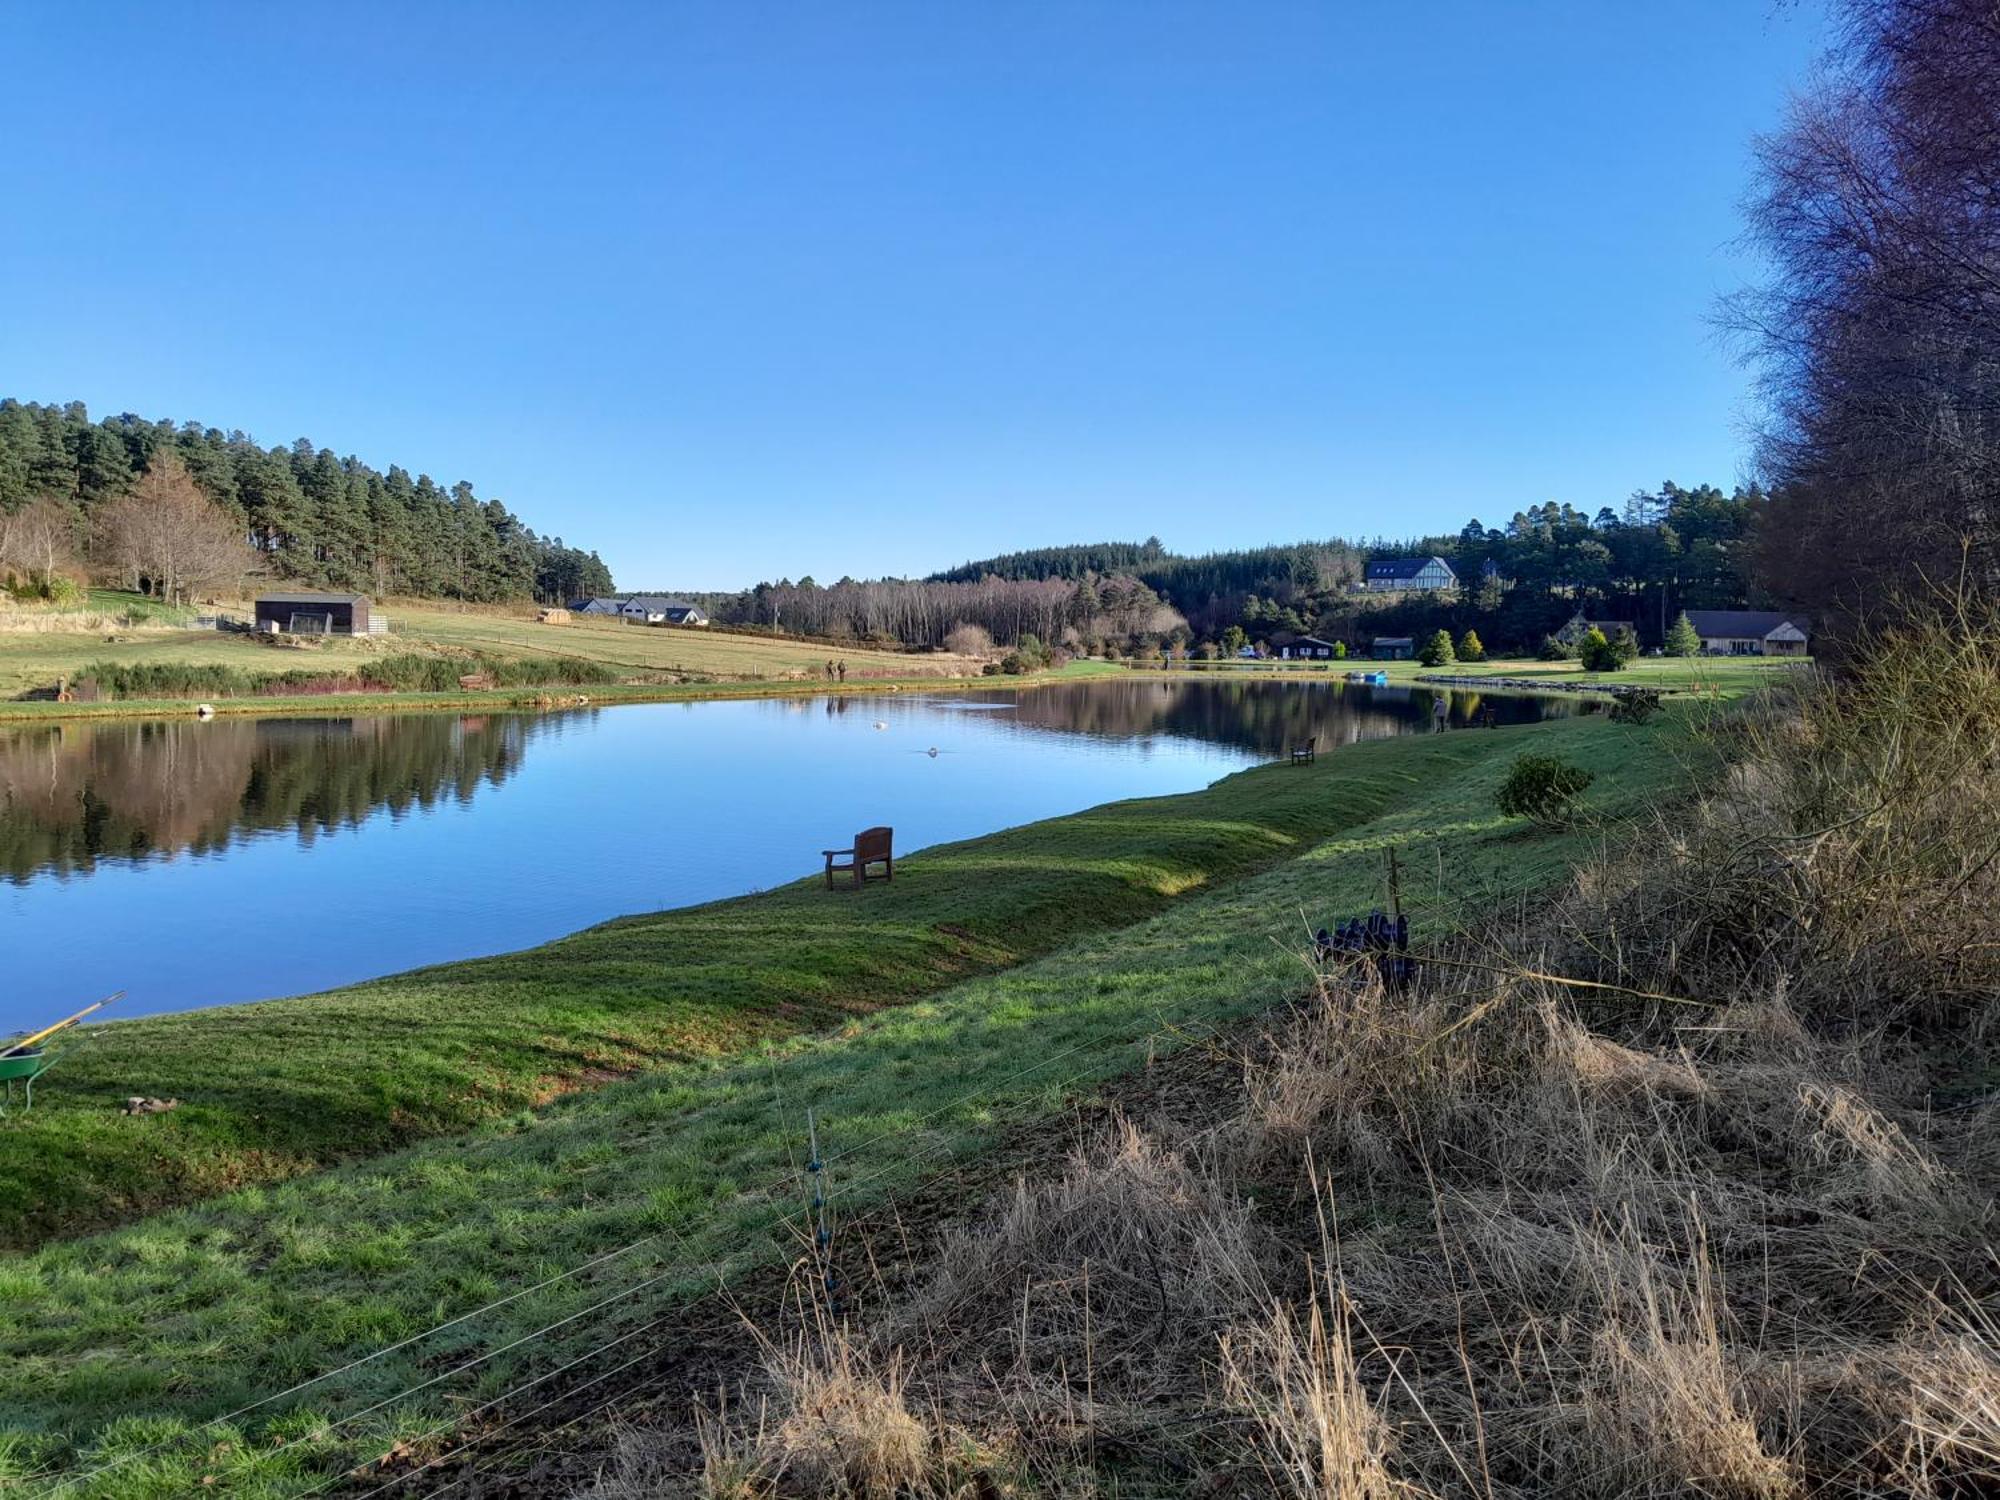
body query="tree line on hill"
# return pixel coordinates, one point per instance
(1662, 552)
(180, 507)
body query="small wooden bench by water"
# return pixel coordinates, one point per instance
(871, 848)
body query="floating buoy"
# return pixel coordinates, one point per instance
(932, 752)
(881, 724)
(204, 710)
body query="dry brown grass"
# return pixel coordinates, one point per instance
(1502, 1237)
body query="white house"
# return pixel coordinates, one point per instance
(1409, 574)
(1750, 632)
(650, 609)
(1306, 648)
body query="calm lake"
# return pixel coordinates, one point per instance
(194, 863)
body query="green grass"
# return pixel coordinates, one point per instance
(1709, 676)
(275, 1089)
(117, 1341)
(646, 649)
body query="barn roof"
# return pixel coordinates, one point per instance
(310, 598)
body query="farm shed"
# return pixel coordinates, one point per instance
(315, 614)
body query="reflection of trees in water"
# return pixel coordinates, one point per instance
(74, 794)
(1262, 716)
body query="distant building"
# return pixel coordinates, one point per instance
(1409, 575)
(316, 614)
(605, 606)
(1306, 648)
(1393, 647)
(1750, 632)
(651, 609)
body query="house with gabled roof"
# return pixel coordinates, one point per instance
(1751, 632)
(1408, 575)
(651, 609)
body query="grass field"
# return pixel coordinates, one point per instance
(33, 653)
(641, 648)
(1149, 916)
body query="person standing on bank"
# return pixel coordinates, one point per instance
(1440, 713)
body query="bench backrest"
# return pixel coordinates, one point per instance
(872, 843)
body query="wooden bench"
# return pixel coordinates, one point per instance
(871, 847)
(1302, 755)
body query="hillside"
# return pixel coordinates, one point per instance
(1658, 553)
(311, 515)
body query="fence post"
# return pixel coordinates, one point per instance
(822, 1234)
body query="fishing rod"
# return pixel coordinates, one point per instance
(48, 1031)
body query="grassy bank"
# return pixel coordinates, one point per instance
(1725, 1228)
(479, 700)
(1150, 915)
(1707, 676)
(129, 631)
(274, 1089)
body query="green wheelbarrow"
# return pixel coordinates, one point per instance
(27, 1059)
(22, 1068)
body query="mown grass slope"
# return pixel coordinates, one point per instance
(699, 651)
(115, 1342)
(274, 1089)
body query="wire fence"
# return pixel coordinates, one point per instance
(677, 1267)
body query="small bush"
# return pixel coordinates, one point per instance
(1437, 651)
(1470, 647)
(407, 673)
(1554, 650)
(1601, 653)
(1542, 787)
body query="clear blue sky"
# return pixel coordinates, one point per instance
(741, 290)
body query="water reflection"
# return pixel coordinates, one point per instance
(73, 795)
(199, 863)
(1269, 717)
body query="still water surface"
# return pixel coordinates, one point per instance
(200, 864)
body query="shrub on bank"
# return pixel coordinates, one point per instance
(407, 673)
(1542, 787)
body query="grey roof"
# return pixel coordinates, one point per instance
(312, 598)
(1404, 567)
(1309, 640)
(1744, 624)
(1395, 640)
(656, 604)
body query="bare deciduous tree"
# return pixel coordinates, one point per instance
(1879, 327)
(39, 540)
(169, 537)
